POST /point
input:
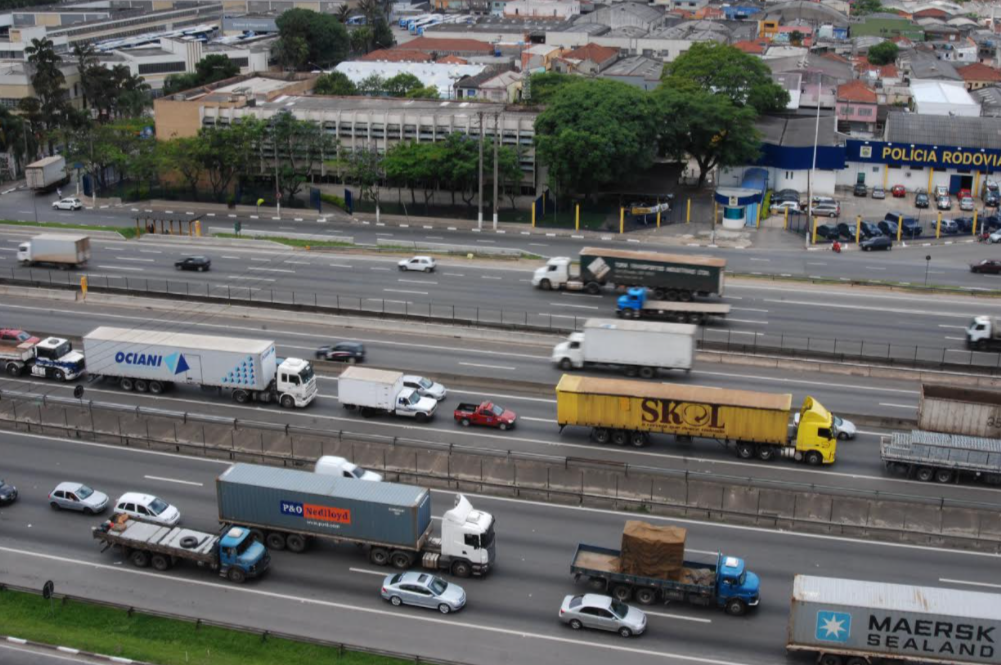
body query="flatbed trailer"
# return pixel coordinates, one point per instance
(942, 457)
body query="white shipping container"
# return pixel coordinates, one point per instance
(45, 172)
(369, 388)
(640, 343)
(68, 248)
(226, 362)
(962, 411)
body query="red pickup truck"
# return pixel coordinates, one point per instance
(485, 413)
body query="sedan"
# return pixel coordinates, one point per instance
(991, 200)
(785, 195)
(825, 210)
(944, 203)
(345, 352)
(870, 230)
(965, 224)
(8, 493)
(921, 200)
(987, 267)
(782, 206)
(828, 231)
(602, 613)
(75, 496)
(418, 263)
(876, 243)
(950, 227)
(68, 204)
(847, 231)
(966, 203)
(994, 238)
(425, 387)
(898, 191)
(860, 190)
(197, 263)
(846, 428)
(964, 193)
(878, 193)
(423, 590)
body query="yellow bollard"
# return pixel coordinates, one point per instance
(858, 228)
(658, 219)
(974, 222)
(900, 226)
(622, 220)
(576, 224)
(688, 215)
(787, 219)
(83, 285)
(198, 229)
(938, 227)
(815, 221)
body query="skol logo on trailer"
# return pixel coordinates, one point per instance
(682, 414)
(175, 362)
(311, 511)
(833, 626)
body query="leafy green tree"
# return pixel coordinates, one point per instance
(364, 170)
(334, 83)
(186, 156)
(595, 132)
(321, 37)
(543, 87)
(372, 85)
(86, 60)
(863, 7)
(343, 12)
(404, 166)
(729, 72)
(883, 53)
(401, 84)
(424, 92)
(382, 34)
(208, 70)
(228, 151)
(15, 137)
(299, 146)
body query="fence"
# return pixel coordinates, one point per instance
(339, 647)
(798, 506)
(710, 338)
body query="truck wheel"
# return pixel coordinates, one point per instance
(686, 296)
(464, 422)
(59, 375)
(13, 370)
(855, 660)
(139, 559)
(980, 345)
(672, 294)
(160, 562)
(400, 560)
(745, 450)
(600, 435)
(462, 569)
(296, 542)
(659, 294)
(421, 417)
(639, 439)
(943, 475)
(647, 372)
(829, 659)
(620, 437)
(241, 396)
(379, 556)
(546, 285)
(735, 607)
(766, 453)
(622, 592)
(236, 576)
(275, 541)
(287, 402)
(646, 596)
(156, 387)
(565, 364)
(596, 583)
(925, 474)
(576, 624)
(126, 384)
(814, 458)
(593, 288)
(142, 386)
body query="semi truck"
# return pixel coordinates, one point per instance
(633, 347)
(855, 622)
(670, 276)
(379, 391)
(156, 361)
(984, 333)
(62, 250)
(636, 304)
(49, 358)
(235, 554)
(959, 435)
(755, 424)
(287, 509)
(46, 173)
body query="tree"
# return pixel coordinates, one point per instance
(48, 82)
(334, 83)
(863, 7)
(729, 72)
(229, 151)
(86, 60)
(883, 53)
(343, 12)
(796, 38)
(208, 70)
(298, 146)
(187, 157)
(382, 34)
(424, 92)
(325, 39)
(292, 52)
(15, 137)
(401, 84)
(710, 128)
(361, 39)
(372, 85)
(595, 132)
(543, 87)
(364, 170)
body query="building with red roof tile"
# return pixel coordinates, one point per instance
(977, 75)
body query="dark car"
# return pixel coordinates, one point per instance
(785, 195)
(992, 200)
(8, 493)
(965, 224)
(911, 227)
(876, 243)
(987, 266)
(921, 200)
(199, 263)
(847, 231)
(860, 190)
(345, 352)
(870, 230)
(827, 231)
(989, 224)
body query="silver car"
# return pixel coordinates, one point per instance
(76, 496)
(423, 590)
(602, 613)
(425, 387)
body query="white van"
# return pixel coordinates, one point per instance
(328, 465)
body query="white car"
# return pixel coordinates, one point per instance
(780, 208)
(147, 508)
(68, 204)
(966, 203)
(329, 465)
(846, 428)
(419, 263)
(995, 237)
(944, 203)
(425, 387)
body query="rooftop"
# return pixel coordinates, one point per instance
(940, 92)
(797, 131)
(443, 77)
(396, 55)
(754, 48)
(979, 72)
(856, 91)
(446, 44)
(638, 65)
(931, 130)
(593, 52)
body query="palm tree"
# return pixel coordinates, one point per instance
(86, 58)
(343, 13)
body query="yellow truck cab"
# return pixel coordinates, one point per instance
(816, 431)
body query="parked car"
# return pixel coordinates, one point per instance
(331, 465)
(782, 206)
(847, 231)
(943, 203)
(418, 263)
(825, 209)
(870, 230)
(911, 227)
(987, 266)
(994, 238)
(989, 223)
(965, 224)
(197, 263)
(949, 227)
(148, 508)
(79, 497)
(70, 203)
(966, 203)
(600, 612)
(423, 590)
(992, 200)
(898, 191)
(425, 387)
(878, 193)
(860, 190)
(941, 190)
(921, 200)
(876, 243)
(345, 352)
(786, 195)
(964, 192)
(828, 231)
(8, 493)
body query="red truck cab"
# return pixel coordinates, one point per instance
(487, 414)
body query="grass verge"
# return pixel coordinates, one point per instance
(156, 640)
(124, 231)
(291, 242)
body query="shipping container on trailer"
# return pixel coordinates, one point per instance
(638, 348)
(965, 411)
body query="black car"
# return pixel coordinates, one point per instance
(989, 224)
(345, 352)
(876, 243)
(870, 230)
(828, 231)
(911, 227)
(199, 263)
(785, 195)
(847, 231)
(965, 224)
(921, 200)
(860, 190)
(8, 493)
(991, 200)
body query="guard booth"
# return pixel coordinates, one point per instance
(740, 206)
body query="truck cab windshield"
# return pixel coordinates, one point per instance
(496, 410)
(306, 374)
(244, 546)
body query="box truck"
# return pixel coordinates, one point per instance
(155, 361)
(756, 424)
(46, 173)
(49, 358)
(670, 276)
(378, 391)
(854, 622)
(636, 304)
(633, 347)
(286, 509)
(62, 250)
(984, 333)
(235, 554)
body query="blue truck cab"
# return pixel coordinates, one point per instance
(239, 550)
(631, 302)
(734, 582)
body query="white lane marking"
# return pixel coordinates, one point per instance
(420, 293)
(301, 263)
(385, 269)
(173, 480)
(813, 383)
(557, 304)
(260, 259)
(486, 241)
(874, 268)
(537, 244)
(957, 339)
(899, 406)
(762, 260)
(816, 263)
(946, 580)
(49, 656)
(535, 420)
(489, 366)
(447, 274)
(946, 325)
(291, 272)
(8, 249)
(126, 258)
(754, 321)
(338, 265)
(677, 616)
(253, 277)
(490, 277)
(149, 251)
(956, 315)
(415, 281)
(237, 258)
(121, 268)
(380, 573)
(434, 237)
(749, 309)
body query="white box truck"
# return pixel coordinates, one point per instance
(375, 391)
(63, 250)
(154, 361)
(45, 173)
(634, 347)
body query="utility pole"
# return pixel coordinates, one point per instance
(278, 191)
(497, 140)
(813, 170)
(479, 216)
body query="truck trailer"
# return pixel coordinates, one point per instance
(235, 554)
(287, 509)
(670, 276)
(756, 424)
(155, 361)
(378, 391)
(636, 304)
(46, 173)
(49, 358)
(633, 347)
(62, 250)
(854, 622)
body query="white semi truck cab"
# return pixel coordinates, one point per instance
(296, 379)
(554, 275)
(983, 332)
(467, 534)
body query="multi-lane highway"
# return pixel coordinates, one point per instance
(333, 592)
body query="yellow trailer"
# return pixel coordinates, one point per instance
(756, 424)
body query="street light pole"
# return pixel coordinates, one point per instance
(496, 167)
(813, 169)
(927, 265)
(479, 214)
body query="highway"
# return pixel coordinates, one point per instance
(858, 465)
(332, 592)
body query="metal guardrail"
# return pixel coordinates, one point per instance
(340, 647)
